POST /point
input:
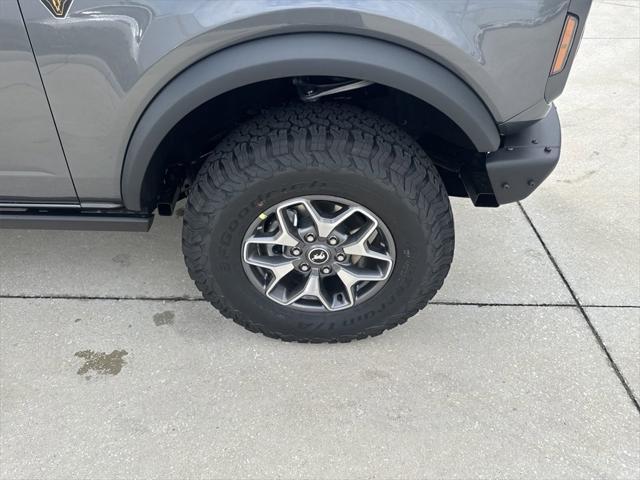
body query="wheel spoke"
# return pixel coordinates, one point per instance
(279, 266)
(324, 225)
(311, 289)
(288, 238)
(270, 262)
(279, 273)
(350, 276)
(358, 246)
(282, 237)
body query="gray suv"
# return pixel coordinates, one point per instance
(317, 142)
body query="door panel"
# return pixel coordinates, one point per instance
(32, 164)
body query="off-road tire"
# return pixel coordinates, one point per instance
(318, 149)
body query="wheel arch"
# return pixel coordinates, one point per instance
(301, 54)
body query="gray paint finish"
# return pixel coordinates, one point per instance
(32, 166)
(302, 54)
(117, 56)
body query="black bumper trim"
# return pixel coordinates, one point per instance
(525, 159)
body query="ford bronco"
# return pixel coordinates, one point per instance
(316, 142)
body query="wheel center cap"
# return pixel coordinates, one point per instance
(318, 255)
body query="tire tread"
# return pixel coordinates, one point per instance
(331, 136)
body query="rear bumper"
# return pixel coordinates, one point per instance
(525, 159)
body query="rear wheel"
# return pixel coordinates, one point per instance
(318, 223)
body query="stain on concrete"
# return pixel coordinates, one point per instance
(164, 318)
(102, 363)
(77, 320)
(123, 259)
(180, 212)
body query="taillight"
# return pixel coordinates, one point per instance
(564, 46)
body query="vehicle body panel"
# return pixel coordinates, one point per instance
(295, 55)
(105, 61)
(32, 164)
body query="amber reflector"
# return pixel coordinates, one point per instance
(564, 47)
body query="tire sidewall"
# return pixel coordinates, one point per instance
(388, 306)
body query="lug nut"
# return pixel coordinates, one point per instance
(341, 257)
(326, 270)
(310, 237)
(296, 251)
(304, 267)
(333, 240)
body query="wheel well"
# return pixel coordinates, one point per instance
(177, 159)
(263, 69)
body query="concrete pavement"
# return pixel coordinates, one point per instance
(526, 365)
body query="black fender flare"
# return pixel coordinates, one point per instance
(301, 54)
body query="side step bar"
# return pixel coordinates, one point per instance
(78, 221)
